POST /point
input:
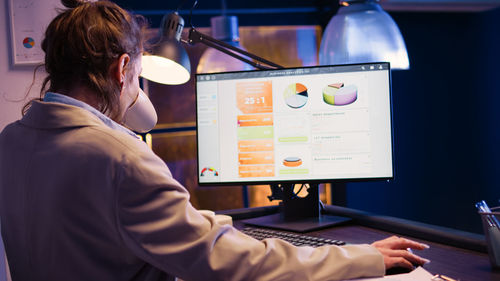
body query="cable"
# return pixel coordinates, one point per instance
(191, 13)
(300, 189)
(223, 7)
(321, 206)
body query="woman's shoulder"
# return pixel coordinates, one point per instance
(111, 141)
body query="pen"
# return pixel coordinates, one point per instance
(439, 277)
(491, 219)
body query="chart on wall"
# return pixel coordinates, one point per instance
(28, 21)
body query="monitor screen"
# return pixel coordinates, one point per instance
(307, 124)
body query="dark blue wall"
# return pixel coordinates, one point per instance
(446, 129)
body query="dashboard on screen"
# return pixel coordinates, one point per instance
(309, 124)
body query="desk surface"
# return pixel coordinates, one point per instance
(452, 261)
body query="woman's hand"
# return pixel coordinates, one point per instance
(397, 252)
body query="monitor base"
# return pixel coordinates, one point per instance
(276, 221)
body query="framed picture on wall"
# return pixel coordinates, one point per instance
(28, 21)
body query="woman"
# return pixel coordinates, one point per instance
(81, 198)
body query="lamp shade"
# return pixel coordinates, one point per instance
(169, 62)
(363, 32)
(224, 28)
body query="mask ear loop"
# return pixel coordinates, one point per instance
(121, 83)
(135, 100)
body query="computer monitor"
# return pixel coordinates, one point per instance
(295, 125)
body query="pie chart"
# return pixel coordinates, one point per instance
(295, 95)
(28, 42)
(292, 161)
(337, 94)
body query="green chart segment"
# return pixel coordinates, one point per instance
(252, 133)
(295, 95)
(294, 171)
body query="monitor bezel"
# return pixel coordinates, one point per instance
(311, 181)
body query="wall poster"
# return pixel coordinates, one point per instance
(28, 21)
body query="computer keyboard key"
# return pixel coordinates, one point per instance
(294, 239)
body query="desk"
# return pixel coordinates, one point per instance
(460, 255)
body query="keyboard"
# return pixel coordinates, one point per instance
(295, 239)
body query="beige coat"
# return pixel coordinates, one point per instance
(80, 201)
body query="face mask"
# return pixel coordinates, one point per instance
(141, 115)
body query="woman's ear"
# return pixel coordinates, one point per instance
(120, 69)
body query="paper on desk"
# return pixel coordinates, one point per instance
(419, 274)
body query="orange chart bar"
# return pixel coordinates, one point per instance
(255, 145)
(256, 171)
(255, 120)
(254, 97)
(256, 158)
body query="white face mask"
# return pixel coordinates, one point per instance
(141, 115)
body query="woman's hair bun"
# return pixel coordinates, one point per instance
(72, 3)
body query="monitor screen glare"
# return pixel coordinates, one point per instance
(309, 124)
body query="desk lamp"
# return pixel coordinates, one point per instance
(169, 61)
(362, 31)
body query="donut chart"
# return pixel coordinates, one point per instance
(296, 95)
(337, 94)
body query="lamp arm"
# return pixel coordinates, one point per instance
(197, 37)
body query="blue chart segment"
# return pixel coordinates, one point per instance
(28, 42)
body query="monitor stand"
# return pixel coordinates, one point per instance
(297, 214)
